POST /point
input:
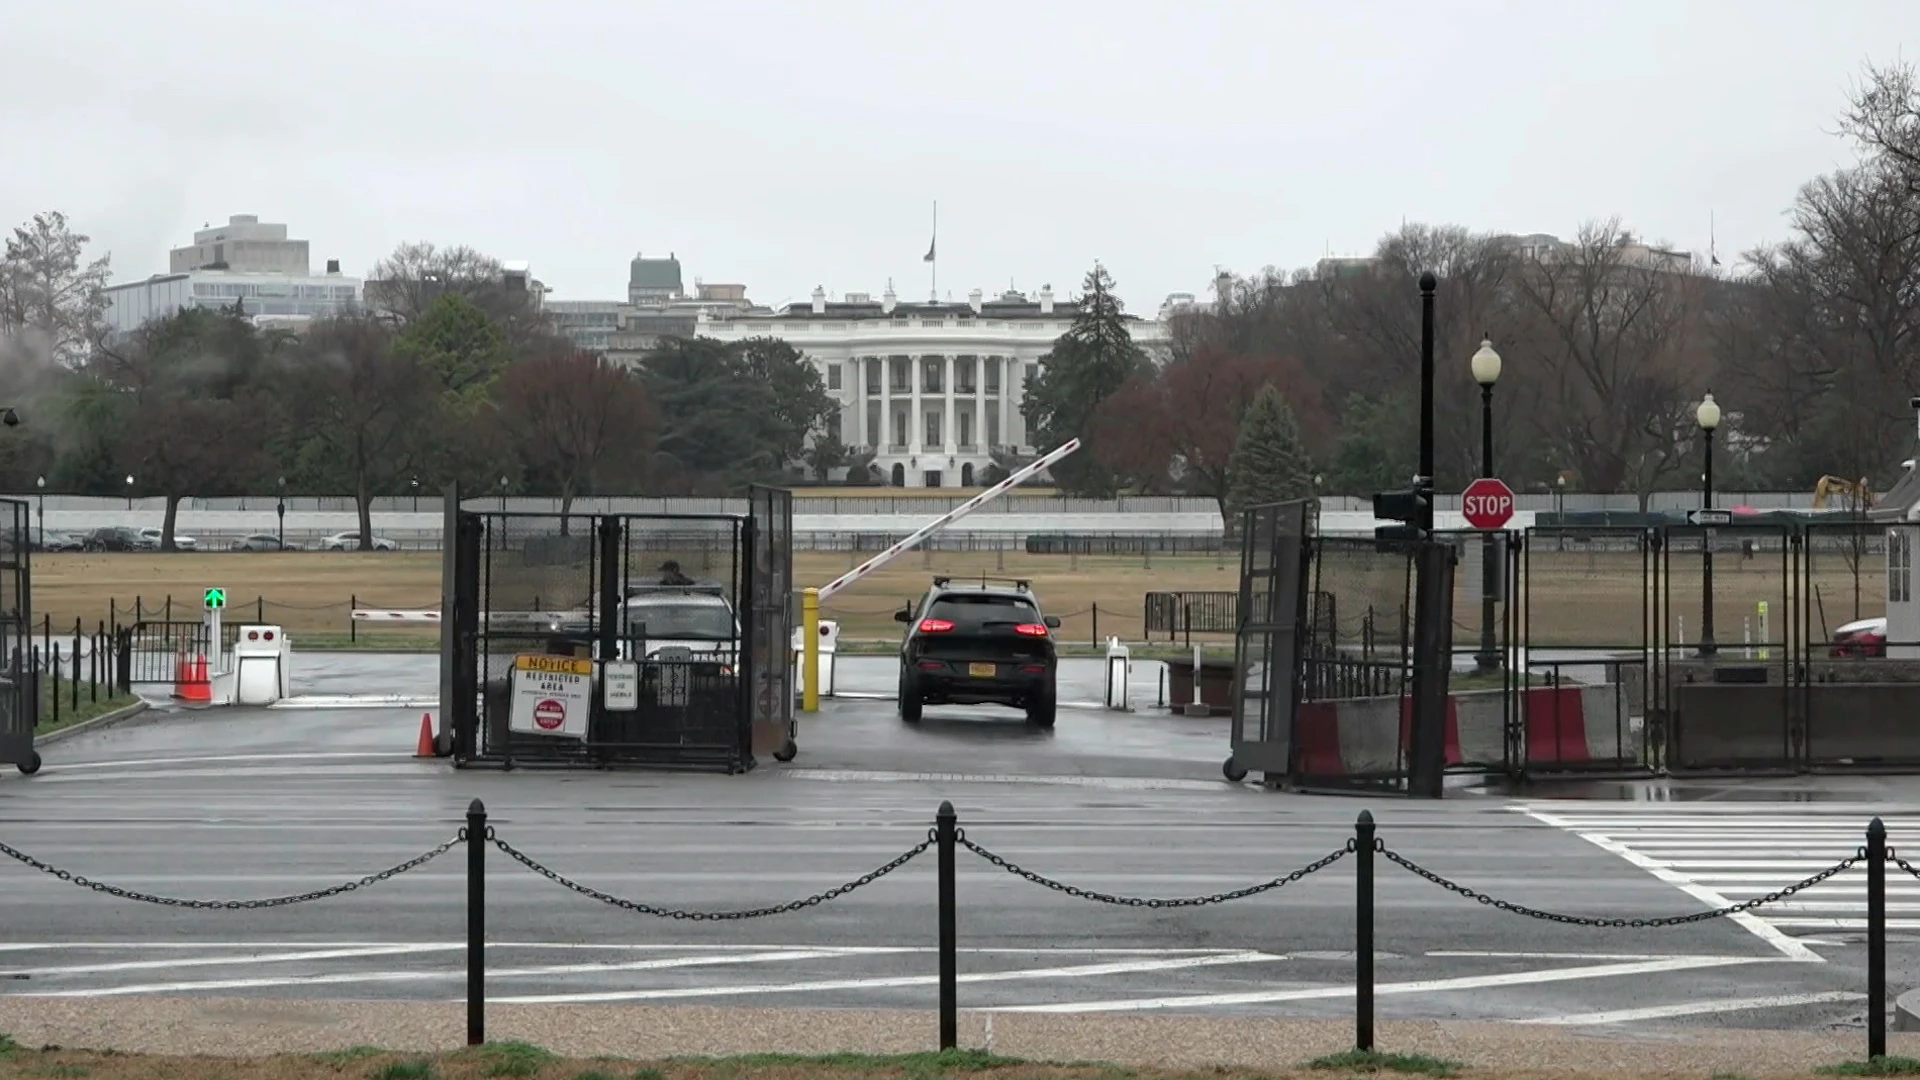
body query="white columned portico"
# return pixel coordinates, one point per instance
(947, 434)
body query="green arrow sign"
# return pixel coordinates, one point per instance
(215, 599)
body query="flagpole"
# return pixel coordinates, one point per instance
(934, 250)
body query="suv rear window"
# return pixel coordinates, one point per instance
(976, 612)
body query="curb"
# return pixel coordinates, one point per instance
(1906, 1011)
(105, 720)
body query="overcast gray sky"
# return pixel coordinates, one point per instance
(789, 144)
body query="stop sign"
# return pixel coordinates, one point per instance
(1487, 503)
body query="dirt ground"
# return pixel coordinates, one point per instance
(1570, 598)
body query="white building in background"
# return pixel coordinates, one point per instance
(244, 261)
(932, 390)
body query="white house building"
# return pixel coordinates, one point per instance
(931, 390)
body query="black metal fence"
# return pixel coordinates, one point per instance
(1366, 849)
(1189, 613)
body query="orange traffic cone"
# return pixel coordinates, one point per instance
(199, 688)
(425, 748)
(180, 677)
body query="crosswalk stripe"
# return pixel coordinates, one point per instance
(1729, 853)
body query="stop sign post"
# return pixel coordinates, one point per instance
(1487, 503)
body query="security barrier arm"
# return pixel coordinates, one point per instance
(811, 598)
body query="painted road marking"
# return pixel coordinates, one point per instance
(1423, 986)
(888, 982)
(448, 974)
(1625, 830)
(1697, 1008)
(1110, 783)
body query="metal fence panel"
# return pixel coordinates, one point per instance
(770, 664)
(19, 705)
(1266, 646)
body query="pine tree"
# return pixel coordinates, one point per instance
(1086, 365)
(1269, 463)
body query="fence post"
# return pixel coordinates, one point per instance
(1363, 831)
(353, 625)
(476, 923)
(1096, 624)
(53, 665)
(74, 683)
(259, 608)
(1876, 939)
(947, 832)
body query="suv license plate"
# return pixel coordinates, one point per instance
(981, 671)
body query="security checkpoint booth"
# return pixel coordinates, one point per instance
(618, 639)
(208, 661)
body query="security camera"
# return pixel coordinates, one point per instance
(11, 419)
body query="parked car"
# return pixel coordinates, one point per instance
(1864, 637)
(58, 541)
(180, 543)
(263, 542)
(350, 541)
(115, 538)
(978, 643)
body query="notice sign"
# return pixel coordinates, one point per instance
(620, 685)
(552, 695)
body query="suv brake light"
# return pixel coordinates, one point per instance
(1031, 629)
(935, 626)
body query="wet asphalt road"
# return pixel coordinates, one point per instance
(252, 803)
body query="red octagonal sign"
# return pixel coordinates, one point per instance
(1487, 503)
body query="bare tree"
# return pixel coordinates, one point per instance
(1884, 118)
(51, 299)
(1621, 361)
(405, 284)
(579, 423)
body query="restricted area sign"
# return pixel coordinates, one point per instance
(1487, 503)
(552, 695)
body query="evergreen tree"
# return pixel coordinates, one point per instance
(1085, 366)
(1269, 463)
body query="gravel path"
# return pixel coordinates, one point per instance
(253, 1027)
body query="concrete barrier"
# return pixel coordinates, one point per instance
(1729, 726)
(1863, 723)
(1361, 738)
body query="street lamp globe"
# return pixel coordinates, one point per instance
(41, 483)
(1708, 414)
(1486, 364)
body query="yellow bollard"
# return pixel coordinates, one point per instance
(810, 650)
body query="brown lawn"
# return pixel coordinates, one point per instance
(1572, 598)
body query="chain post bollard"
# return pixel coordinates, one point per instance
(947, 834)
(1876, 856)
(476, 923)
(1363, 840)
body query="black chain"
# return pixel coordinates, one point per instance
(711, 916)
(1149, 902)
(236, 905)
(1894, 858)
(1636, 924)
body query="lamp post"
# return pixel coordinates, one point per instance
(1423, 483)
(1708, 417)
(1560, 510)
(129, 491)
(41, 483)
(280, 510)
(415, 484)
(1486, 372)
(503, 494)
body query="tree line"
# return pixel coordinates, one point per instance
(452, 378)
(1811, 345)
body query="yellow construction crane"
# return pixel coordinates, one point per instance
(1856, 494)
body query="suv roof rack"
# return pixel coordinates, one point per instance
(691, 588)
(1022, 584)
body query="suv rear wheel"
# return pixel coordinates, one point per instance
(1040, 710)
(910, 703)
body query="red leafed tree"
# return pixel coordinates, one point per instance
(1180, 422)
(579, 424)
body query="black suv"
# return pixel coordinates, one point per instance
(978, 644)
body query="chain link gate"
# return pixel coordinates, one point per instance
(19, 700)
(688, 609)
